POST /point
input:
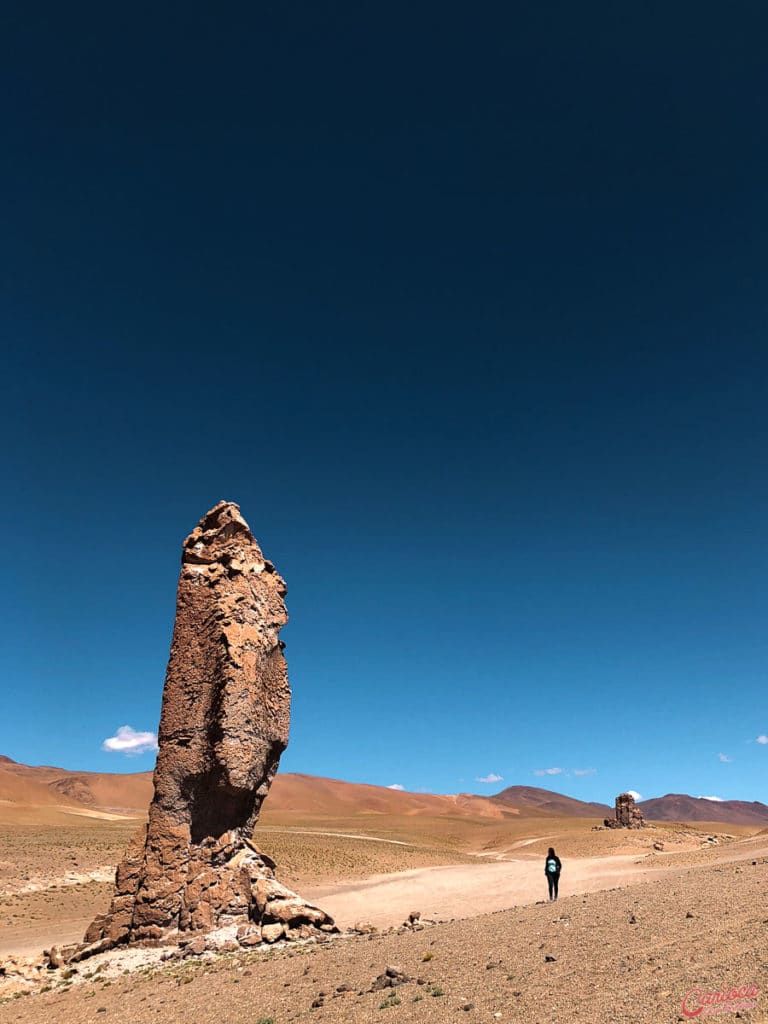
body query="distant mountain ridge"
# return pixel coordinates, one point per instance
(300, 798)
(681, 807)
(536, 798)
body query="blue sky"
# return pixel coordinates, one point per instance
(467, 311)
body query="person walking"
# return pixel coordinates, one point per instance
(552, 869)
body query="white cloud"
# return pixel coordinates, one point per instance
(724, 758)
(585, 771)
(717, 799)
(491, 777)
(397, 786)
(127, 741)
(762, 739)
(635, 794)
(548, 771)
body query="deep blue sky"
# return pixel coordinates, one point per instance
(466, 307)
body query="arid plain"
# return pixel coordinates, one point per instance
(643, 918)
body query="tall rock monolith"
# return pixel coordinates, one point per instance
(223, 726)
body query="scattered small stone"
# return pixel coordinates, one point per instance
(196, 947)
(550, 959)
(391, 978)
(364, 928)
(468, 1006)
(633, 919)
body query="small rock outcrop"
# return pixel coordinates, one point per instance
(628, 814)
(223, 726)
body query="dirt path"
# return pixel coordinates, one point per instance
(37, 937)
(458, 891)
(444, 892)
(264, 829)
(440, 893)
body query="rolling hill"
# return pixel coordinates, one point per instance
(680, 807)
(301, 799)
(533, 798)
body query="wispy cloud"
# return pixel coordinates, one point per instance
(491, 777)
(128, 741)
(635, 794)
(585, 771)
(717, 799)
(724, 758)
(397, 786)
(548, 771)
(762, 739)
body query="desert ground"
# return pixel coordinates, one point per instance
(643, 916)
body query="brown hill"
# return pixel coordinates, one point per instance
(43, 785)
(293, 798)
(533, 798)
(305, 797)
(297, 798)
(107, 792)
(680, 807)
(31, 792)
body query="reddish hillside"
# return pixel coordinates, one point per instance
(108, 792)
(26, 791)
(296, 798)
(44, 785)
(679, 807)
(307, 796)
(293, 797)
(533, 798)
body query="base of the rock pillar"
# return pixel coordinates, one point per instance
(226, 882)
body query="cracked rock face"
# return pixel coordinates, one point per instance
(223, 726)
(627, 814)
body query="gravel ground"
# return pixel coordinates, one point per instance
(623, 955)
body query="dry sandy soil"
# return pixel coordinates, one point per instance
(633, 931)
(630, 953)
(635, 928)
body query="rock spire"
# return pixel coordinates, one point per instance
(223, 726)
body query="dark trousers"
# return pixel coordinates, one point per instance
(552, 881)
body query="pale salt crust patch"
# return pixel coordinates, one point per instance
(103, 873)
(116, 962)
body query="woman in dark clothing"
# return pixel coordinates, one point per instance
(552, 868)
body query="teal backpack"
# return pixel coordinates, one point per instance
(551, 866)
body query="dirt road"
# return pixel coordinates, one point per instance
(461, 890)
(456, 891)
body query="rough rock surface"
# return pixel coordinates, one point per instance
(223, 726)
(628, 814)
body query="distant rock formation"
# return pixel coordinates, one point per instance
(223, 726)
(628, 814)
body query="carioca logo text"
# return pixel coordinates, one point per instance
(698, 1001)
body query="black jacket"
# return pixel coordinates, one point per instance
(559, 865)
